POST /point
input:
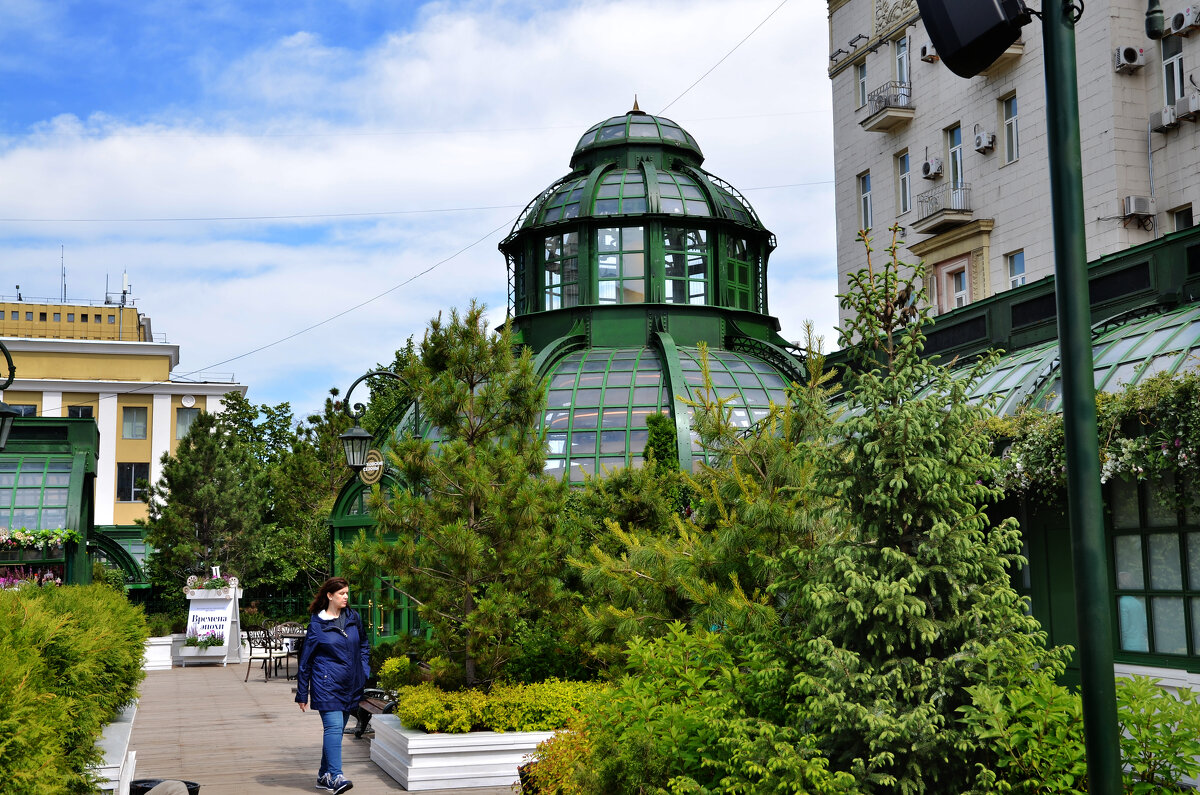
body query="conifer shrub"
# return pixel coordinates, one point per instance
(70, 660)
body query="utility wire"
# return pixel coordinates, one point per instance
(382, 213)
(726, 55)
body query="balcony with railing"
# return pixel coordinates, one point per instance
(943, 207)
(888, 107)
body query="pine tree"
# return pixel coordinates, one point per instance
(471, 536)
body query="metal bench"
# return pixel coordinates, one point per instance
(374, 702)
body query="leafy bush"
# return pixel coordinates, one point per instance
(159, 624)
(542, 652)
(108, 575)
(1036, 734)
(70, 659)
(557, 763)
(544, 706)
(398, 672)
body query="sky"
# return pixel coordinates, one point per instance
(295, 187)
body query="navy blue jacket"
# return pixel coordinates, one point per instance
(334, 665)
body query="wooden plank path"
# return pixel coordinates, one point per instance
(204, 724)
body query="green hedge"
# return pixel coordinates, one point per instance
(543, 706)
(70, 660)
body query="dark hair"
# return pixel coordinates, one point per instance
(321, 600)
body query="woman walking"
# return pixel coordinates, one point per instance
(333, 670)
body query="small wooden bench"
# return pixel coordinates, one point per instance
(374, 702)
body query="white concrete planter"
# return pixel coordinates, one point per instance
(115, 770)
(158, 654)
(423, 761)
(177, 640)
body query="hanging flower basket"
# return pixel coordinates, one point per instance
(38, 540)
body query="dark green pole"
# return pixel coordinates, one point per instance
(1084, 502)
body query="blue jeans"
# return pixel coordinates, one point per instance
(334, 722)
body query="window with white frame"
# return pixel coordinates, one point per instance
(864, 201)
(903, 182)
(955, 151)
(1172, 61)
(1012, 140)
(860, 77)
(1016, 268)
(901, 49)
(952, 284)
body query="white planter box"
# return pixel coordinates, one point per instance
(204, 654)
(115, 769)
(423, 761)
(158, 654)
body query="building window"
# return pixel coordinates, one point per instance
(901, 49)
(70, 317)
(903, 183)
(1182, 218)
(860, 77)
(739, 276)
(1016, 268)
(955, 152)
(953, 284)
(133, 422)
(96, 318)
(1012, 141)
(24, 409)
(83, 317)
(621, 265)
(1156, 569)
(562, 270)
(79, 412)
(686, 266)
(58, 317)
(1172, 61)
(112, 319)
(131, 481)
(184, 417)
(16, 315)
(29, 316)
(41, 317)
(865, 215)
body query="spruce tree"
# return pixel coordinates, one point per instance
(915, 604)
(471, 536)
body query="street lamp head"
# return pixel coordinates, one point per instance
(357, 442)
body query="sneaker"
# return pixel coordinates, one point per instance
(323, 781)
(339, 785)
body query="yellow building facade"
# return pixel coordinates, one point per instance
(102, 361)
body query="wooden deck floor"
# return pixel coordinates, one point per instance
(203, 724)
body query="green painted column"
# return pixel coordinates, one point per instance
(1084, 501)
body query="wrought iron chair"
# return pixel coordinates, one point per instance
(262, 647)
(288, 644)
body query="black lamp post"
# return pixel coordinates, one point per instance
(357, 441)
(7, 412)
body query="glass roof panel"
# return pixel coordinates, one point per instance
(33, 493)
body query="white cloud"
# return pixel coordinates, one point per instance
(479, 105)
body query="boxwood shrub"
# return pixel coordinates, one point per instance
(70, 660)
(543, 706)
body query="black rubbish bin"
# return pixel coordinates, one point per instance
(142, 786)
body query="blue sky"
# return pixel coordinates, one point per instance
(258, 168)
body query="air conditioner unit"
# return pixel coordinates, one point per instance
(1138, 205)
(1185, 21)
(1188, 107)
(985, 142)
(1163, 120)
(932, 168)
(929, 54)
(1127, 60)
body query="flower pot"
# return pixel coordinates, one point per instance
(158, 654)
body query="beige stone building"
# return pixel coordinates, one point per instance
(961, 165)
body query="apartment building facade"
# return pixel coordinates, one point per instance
(961, 165)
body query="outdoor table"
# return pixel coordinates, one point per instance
(297, 639)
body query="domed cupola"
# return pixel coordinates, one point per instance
(619, 272)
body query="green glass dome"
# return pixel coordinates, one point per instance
(636, 128)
